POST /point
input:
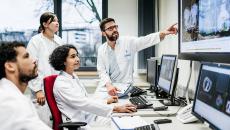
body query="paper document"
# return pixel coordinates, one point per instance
(124, 89)
(128, 122)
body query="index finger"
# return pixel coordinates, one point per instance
(174, 24)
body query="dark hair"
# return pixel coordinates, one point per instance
(59, 55)
(104, 21)
(8, 53)
(45, 17)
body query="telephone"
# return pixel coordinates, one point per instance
(185, 114)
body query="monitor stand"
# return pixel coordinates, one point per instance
(152, 88)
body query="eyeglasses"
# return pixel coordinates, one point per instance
(111, 28)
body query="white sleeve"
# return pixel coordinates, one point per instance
(145, 41)
(37, 83)
(70, 96)
(101, 68)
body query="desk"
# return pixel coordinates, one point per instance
(175, 125)
(149, 115)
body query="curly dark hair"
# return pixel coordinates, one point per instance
(104, 21)
(59, 55)
(8, 53)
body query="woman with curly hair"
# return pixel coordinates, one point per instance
(71, 96)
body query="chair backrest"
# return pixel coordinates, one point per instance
(56, 114)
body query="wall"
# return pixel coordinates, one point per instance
(168, 15)
(125, 12)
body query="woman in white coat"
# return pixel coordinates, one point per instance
(40, 47)
(70, 94)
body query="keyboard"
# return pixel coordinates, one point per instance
(136, 91)
(140, 102)
(146, 127)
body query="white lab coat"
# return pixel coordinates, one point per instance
(125, 50)
(74, 103)
(16, 110)
(40, 48)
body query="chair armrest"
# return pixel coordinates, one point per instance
(71, 125)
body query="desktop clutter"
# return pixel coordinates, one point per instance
(211, 98)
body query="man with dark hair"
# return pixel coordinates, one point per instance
(17, 68)
(116, 56)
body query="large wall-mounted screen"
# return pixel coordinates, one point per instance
(204, 30)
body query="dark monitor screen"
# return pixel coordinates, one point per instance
(212, 99)
(167, 73)
(152, 71)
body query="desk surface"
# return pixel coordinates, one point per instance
(149, 115)
(175, 125)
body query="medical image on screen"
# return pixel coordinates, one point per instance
(189, 20)
(214, 90)
(205, 19)
(214, 18)
(167, 69)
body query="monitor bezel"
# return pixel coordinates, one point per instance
(199, 56)
(201, 118)
(155, 60)
(170, 92)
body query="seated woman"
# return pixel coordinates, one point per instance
(70, 94)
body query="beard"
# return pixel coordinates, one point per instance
(25, 78)
(113, 37)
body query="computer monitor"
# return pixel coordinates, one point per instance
(152, 73)
(212, 98)
(167, 75)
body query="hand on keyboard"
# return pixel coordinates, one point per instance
(128, 108)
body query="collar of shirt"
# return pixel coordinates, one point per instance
(68, 75)
(10, 86)
(55, 39)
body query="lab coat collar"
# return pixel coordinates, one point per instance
(68, 75)
(117, 44)
(11, 86)
(55, 40)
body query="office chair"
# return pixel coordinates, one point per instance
(56, 114)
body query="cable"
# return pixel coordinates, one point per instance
(186, 95)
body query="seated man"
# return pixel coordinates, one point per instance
(70, 94)
(17, 68)
(116, 57)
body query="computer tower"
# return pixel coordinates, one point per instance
(153, 72)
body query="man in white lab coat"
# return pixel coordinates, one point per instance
(116, 57)
(17, 68)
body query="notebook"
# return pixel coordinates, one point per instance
(128, 122)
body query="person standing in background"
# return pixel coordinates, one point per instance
(40, 47)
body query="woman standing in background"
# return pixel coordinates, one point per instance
(40, 47)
